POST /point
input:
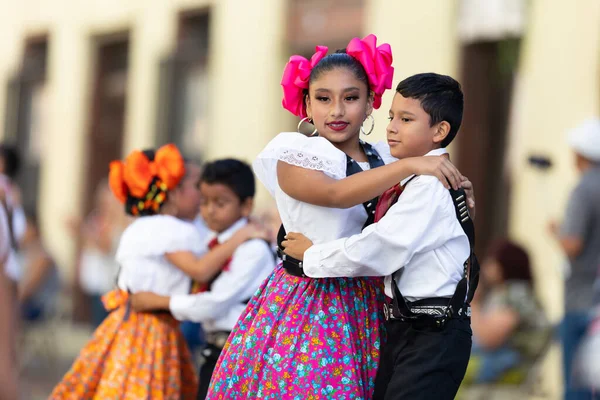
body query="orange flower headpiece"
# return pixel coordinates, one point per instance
(142, 184)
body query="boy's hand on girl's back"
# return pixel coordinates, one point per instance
(148, 301)
(295, 244)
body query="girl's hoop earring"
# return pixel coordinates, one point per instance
(372, 126)
(309, 121)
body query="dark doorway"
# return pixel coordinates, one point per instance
(488, 72)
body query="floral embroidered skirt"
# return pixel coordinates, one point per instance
(131, 356)
(303, 338)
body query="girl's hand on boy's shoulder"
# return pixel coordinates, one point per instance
(467, 185)
(440, 167)
(295, 244)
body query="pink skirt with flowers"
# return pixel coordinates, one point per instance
(303, 338)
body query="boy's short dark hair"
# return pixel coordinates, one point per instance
(235, 174)
(12, 160)
(441, 97)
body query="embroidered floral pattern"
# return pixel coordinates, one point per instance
(303, 338)
(131, 356)
(308, 161)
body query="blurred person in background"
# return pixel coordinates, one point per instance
(100, 232)
(579, 238)
(586, 364)
(10, 199)
(8, 365)
(510, 327)
(40, 283)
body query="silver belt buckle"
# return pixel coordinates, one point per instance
(217, 339)
(386, 311)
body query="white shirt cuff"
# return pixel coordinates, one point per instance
(181, 305)
(311, 262)
(328, 260)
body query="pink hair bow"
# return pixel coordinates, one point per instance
(295, 81)
(377, 62)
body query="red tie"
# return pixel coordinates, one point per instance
(213, 243)
(386, 200)
(198, 287)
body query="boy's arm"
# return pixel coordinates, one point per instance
(422, 220)
(231, 287)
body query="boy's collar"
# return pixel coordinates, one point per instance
(434, 152)
(229, 232)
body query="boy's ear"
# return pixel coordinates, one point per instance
(247, 206)
(441, 132)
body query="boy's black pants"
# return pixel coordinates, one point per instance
(211, 355)
(419, 361)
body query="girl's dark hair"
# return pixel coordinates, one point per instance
(513, 260)
(339, 59)
(156, 196)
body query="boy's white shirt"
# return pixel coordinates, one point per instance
(420, 237)
(219, 308)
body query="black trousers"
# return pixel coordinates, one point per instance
(420, 361)
(211, 354)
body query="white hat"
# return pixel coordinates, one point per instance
(585, 139)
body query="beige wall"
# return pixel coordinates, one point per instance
(558, 87)
(424, 42)
(245, 110)
(246, 59)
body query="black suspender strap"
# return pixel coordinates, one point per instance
(294, 266)
(465, 289)
(352, 168)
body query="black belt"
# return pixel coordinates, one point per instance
(458, 305)
(217, 339)
(291, 265)
(434, 309)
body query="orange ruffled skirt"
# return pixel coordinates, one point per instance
(131, 356)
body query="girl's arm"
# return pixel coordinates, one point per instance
(203, 269)
(314, 187)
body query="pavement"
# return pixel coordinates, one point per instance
(46, 353)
